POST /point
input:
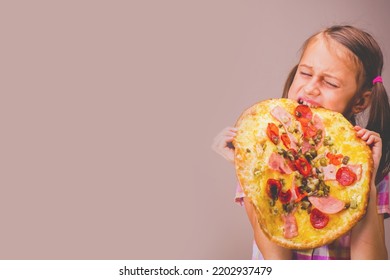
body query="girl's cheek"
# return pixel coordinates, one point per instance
(292, 93)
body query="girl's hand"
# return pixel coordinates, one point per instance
(374, 140)
(368, 236)
(223, 143)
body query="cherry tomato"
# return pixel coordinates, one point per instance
(309, 131)
(273, 133)
(303, 166)
(286, 140)
(285, 197)
(334, 159)
(303, 112)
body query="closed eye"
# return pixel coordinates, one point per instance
(305, 74)
(331, 84)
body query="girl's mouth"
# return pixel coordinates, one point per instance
(308, 103)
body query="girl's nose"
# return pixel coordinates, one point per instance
(311, 88)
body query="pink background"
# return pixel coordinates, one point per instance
(109, 109)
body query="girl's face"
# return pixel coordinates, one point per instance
(326, 76)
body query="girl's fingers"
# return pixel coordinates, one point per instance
(230, 128)
(372, 139)
(231, 133)
(364, 134)
(229, 138)
(361, 131)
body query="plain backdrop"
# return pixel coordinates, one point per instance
(108, 110)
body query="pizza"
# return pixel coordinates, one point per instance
(304, 170)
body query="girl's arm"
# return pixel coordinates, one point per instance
(268, 249)
(368, 236)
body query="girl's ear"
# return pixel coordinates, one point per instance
(362, 103)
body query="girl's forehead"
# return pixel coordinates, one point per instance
(328, 53)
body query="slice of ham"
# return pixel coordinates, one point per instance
(329, 172)
(278, 163)
(328, 204)
(294, 190)
(294, 141)
(290, 229)
(306, 146)
(281, 115)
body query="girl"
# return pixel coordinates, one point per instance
(340, 70)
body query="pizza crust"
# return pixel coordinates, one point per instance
(253, 148)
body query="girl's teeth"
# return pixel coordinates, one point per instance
(306, 103)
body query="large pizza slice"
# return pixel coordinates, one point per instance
(305, 171)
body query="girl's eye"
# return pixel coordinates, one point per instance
(331, 84)
(305, 74)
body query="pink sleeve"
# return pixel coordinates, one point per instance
(239, 198)
(383, 197)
